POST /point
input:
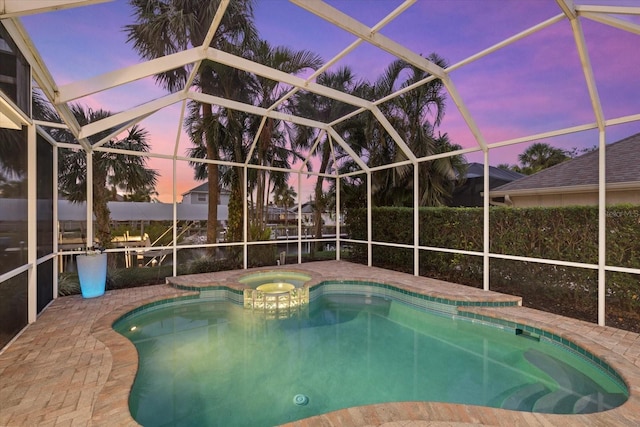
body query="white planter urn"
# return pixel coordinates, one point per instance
(92, 273)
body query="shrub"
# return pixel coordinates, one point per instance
(68, 284)
(122, 278)
(563, 233)
(206, 264)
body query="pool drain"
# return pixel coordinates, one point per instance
(300, 399)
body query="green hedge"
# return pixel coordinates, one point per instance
(567, 233)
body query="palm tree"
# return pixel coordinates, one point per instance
(285, 197)
(236, 130)
(111, 171)
(13, 163)
(539, 156)
(326, 110)
(13, 146)
(409, 114)
(146, 194)
(168, 26)
(271, 145)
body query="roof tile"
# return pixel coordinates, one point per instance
(622, 163)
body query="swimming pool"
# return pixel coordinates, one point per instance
(212, 362)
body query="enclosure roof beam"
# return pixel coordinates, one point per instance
(243, 64)
(360, 30)
(336, 136)
(41, 74)
(384, 21)
(252, 109)
(464, 111)
(587, 69)
(394, 134)
(613, 22)
(118, 119)
(568, 8)
(127, 75)
(14, 8)
(507, 42)
(616, 10)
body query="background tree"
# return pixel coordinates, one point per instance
(146, 194)
(168, 26)
(285, 197)
(539, 156)
(235, 131)
(12, 163)
(326, 110)
(111, 171)
(271, 148)
(13, 147)
(414, 114)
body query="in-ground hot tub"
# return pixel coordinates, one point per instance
(254, 280)
(275, 288)
(278, 293)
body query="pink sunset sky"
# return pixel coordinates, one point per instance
(535, 85)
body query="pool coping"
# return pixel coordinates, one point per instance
(105, 400)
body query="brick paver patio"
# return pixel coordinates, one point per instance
(71, 369)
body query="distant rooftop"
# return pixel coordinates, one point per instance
(622, 165)
(476, 170)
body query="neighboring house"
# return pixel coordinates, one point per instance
(200, 195)
(72, 217)
(308, 213)
(469, 194)
(277, 214)
(575, 182)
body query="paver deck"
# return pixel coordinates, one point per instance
(71, 369)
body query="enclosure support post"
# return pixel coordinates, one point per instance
(89, 238)
(602, 224)
(245, 219)
(369, 224)
(175, 218)
(338, 219)
(32, 225)
(299, 218)
(54, 179)
(416, 218)
(485, 215)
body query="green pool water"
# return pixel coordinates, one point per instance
(208, 363)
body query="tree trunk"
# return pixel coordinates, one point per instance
(235, 223)
(262, 196)
(101, 211)
(318, 206)
(213, 177)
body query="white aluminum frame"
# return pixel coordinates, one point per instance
(11, 10)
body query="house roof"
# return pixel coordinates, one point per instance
(476, 170)
(204, 188)
(622, 166)
(12, 210)
(131, 211)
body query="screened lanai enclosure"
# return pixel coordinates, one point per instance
(317, 127)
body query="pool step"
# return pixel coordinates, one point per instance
(556, 402)
(525, 397)
(598, 402)
(536, 397)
